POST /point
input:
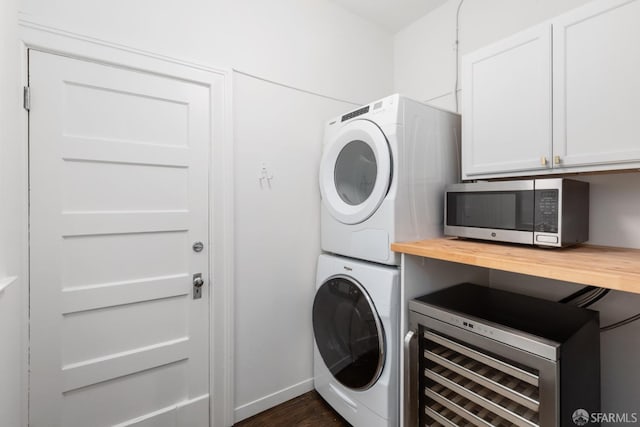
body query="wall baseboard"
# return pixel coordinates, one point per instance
(252, 408)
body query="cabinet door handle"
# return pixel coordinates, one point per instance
(556, 160)
(543, 161)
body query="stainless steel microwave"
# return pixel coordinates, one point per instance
(544, 212)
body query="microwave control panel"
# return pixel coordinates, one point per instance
(546, 211)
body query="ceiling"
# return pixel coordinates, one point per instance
(390, 14)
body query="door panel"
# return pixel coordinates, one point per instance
(118, 194)
(133, 185)
(597, 85)
(506, 105)
(116, 109)
(355, 171)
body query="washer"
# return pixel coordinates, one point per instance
(382, 176)
(356, 314)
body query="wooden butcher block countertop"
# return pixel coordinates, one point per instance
(602, 266)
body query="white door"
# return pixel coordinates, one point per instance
(596, 85)
(118, 196)
(355, 172)
(506, 105)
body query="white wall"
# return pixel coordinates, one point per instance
(277, 238)
(424, 55)
(12, 357)
(425, 69)
(615, 221)
(314, 44)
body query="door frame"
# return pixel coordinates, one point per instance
(221, 220)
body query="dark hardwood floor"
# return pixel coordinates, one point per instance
(308, 410)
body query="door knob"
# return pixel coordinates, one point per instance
(543, 161)
(556, 160)
(198, 281)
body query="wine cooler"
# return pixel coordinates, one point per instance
(476, 356)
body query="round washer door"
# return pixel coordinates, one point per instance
(355, 172)
(348, 333)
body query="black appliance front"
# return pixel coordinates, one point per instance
(481, 356)
(348, 332)
(355, 172)
(498, 210)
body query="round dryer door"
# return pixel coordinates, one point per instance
(355, 172)
(348, 333)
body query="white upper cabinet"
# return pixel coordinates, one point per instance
(506, 105)
(515, 124)
(596, 80)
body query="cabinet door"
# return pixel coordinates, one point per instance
(597, 85)
(506, 106)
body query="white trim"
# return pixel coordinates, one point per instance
(56, 40)
(23, 184)
(221, 264)
(6, 282)
(222, 227)
(274, 399)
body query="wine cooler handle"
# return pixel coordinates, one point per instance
(411, 379)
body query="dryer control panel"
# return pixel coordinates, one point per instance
(356, 113)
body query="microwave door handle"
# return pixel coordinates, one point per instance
(411, 379)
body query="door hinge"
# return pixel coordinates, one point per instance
(26, 98)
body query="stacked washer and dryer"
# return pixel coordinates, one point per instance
(382, 176)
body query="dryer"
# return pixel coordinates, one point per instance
(356, 314)
(382, 176)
